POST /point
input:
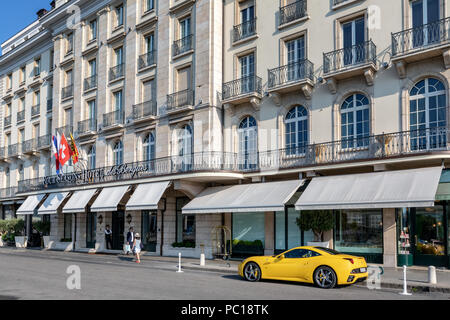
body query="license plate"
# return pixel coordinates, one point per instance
(363, 270)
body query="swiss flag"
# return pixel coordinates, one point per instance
(64, 151)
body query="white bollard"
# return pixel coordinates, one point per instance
(432, 275)
(179, 263)
(202, 259)
(405, 287)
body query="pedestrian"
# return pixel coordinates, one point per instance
(108, 238)
(130, 240)
(137, 247)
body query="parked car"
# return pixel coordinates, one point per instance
(323, 267)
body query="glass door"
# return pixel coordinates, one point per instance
(424, 13)
(430, 245)
(149, 230)
(247, 71)
(295, 54)
(91, 229)
(118, 228)
(353, 41)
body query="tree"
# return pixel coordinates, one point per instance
(317, 221)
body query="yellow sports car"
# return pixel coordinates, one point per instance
(322, 266)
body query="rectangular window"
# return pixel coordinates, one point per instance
(248, 234)
(119, 56)
(21, 135)
(68, 78)
(68, 116)
(92, 110)
(69, 43)
(92, 67)
(22, 104)
(9, 81)
(119, 16)
(118, 101)
(37, 98)
(185, 224)
(183, 79)
(22, 74)
(147, 91)
(93, 30)
(185, 27)
(37, 67)
(149, 43)
(68, 227)
(8, 109)
(36, 129)
(149, 5)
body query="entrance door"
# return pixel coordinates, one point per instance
(118, 228)
(91, 229)
(424, 15)
(149, 230)
(429, 228)
(353, 41)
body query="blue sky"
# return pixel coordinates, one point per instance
(17, 14)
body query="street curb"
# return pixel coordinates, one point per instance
(412, 288)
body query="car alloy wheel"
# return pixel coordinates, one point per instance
(252, 272)
(325, 277)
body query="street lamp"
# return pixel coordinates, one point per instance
(100, 219)
(129, 218)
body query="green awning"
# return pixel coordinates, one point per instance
(443, 191)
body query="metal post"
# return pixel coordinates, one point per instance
(179, 263)
(405, 287)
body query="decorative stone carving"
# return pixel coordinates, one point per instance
(276, 98)
(307, 91)
(446, 56)
(228, 107)
(401, 69)
(369, 75)
(332, 85)
(256, 103)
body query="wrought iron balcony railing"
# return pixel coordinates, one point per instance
(144, 110)
(9, 192)
(337, 2)
(90, 83)
(147, 60)
(293, 72)
(49, 105)
(180, 99)
(35, 110)
(116, 72)
(67, 130)
(67, 92)
(244, 30)
(14, 150)
(30, 146)
(7, 121)
(349, 57)
(183, 45)
(21, 116)
(2, 153)
(420, 38)
(113, 118)
(45, 142)
(86, 126)
(293, 11)
(245, 85)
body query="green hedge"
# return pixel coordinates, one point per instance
(184, 244)
(243, 243)
(13, 226)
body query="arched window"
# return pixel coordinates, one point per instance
(428, 114)
(148, 147)
(296, 130)
(91, 157)
(118, 153)
(185, 148)
(248, 144)
(355, 121)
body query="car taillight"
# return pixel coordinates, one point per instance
(350, 259)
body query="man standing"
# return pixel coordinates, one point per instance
(108, 238)
(130, 240)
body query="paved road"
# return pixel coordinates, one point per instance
(29, 274)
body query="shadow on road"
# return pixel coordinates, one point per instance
(129, 259)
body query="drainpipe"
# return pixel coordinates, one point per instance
(74, 233)
(162, 227)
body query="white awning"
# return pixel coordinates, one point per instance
(52, 203)
(109, 199)
(30, 204)
(258, 197)
(79, 200)
(390, 189)
(147, 195)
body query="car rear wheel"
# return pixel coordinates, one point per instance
(252, 272)
(325, 277)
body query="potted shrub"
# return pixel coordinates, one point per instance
(3, 231)
(17, 226)
(43, 227)
(319, 222)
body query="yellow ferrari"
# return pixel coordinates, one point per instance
(323, 267)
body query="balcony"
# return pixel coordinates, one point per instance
(67, 130)
(350, 62)
(183, 45)
(21, 116)
(50, 105)
(246, 89)
(293, 12)
(7, 121)
(35, 110)
(244, 31)
(424, 42)
(116, 72)
(67, 92)
(2, 153)
(15, 150)
(44, 142)
(180, 101)
(90, 83)
(87, 127)
(10, 192)
(145, 111)
(291, 77)
(113, 120)
(30, 147)
(147, 60)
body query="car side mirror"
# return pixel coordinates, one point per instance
(280, 257)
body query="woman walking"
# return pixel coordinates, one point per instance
(137, 247)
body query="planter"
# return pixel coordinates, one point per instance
(325, 244)
(1, 242)
(21, 242)
(404, 260)
(47, 243)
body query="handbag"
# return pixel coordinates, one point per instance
(141, 245)
(127, 248)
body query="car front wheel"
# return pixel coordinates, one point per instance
(252, 272)
(325, 277)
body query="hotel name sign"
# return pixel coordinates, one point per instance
(118, 172)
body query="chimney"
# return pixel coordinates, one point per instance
(41, 13)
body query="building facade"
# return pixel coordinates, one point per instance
(202, 121)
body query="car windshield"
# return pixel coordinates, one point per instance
(330, 251)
